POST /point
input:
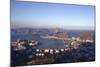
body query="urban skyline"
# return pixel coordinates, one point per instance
(51, 33)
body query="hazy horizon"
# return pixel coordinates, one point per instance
(49, 15)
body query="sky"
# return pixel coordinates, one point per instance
(50, 15)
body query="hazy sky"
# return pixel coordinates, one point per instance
(35, 14)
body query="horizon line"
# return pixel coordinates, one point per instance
(49, 28)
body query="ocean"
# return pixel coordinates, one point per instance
(44, 43)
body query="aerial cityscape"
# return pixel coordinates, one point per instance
(51, 33)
